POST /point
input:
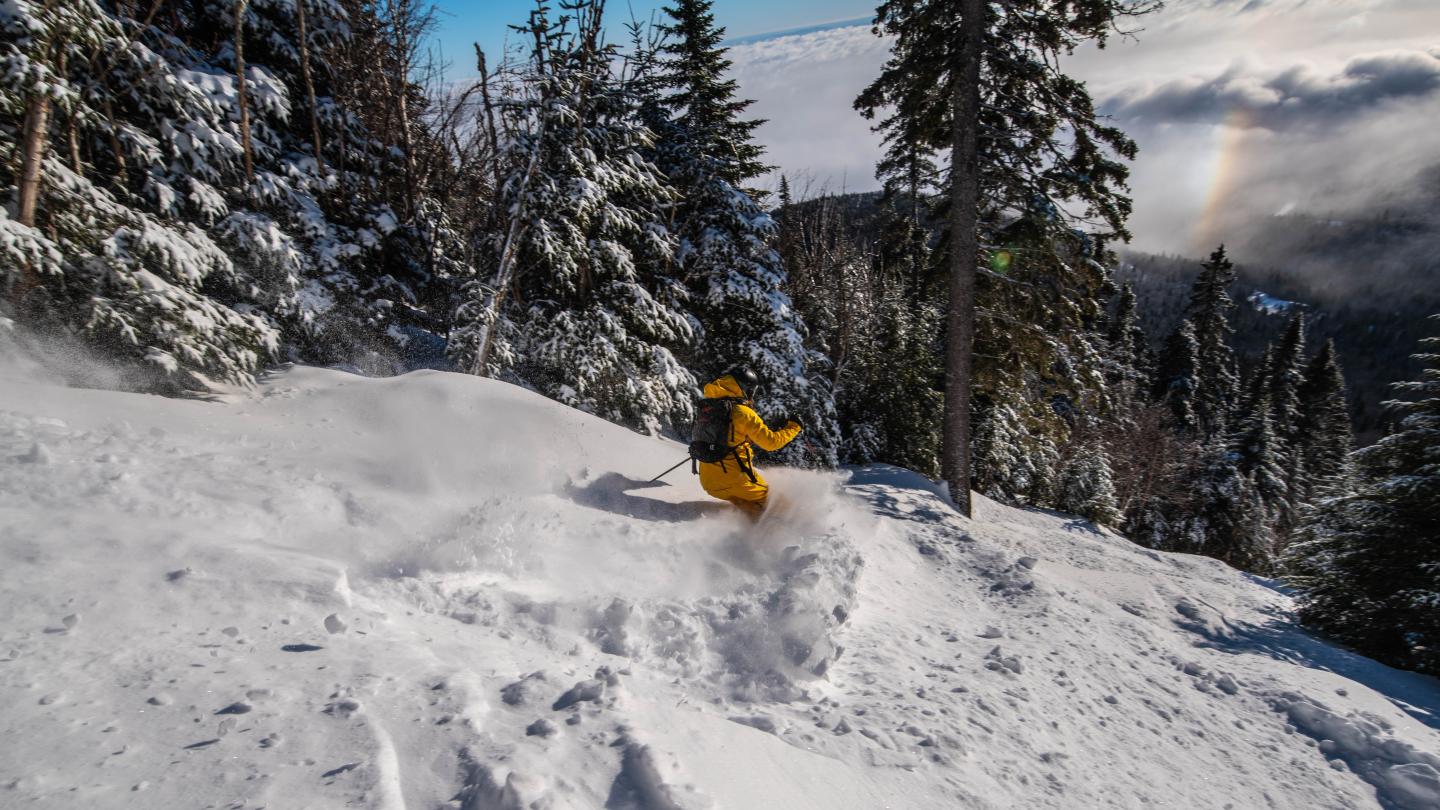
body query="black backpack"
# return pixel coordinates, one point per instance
(710, 438)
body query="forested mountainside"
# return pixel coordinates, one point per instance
(1367, 282)
(1364, 282)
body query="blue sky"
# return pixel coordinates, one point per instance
(461, 23)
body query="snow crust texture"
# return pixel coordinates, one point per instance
(437, 591)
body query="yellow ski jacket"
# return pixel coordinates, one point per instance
(727, 479)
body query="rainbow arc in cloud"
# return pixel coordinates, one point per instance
(1227, 178)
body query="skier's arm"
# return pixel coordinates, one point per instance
(750, 427)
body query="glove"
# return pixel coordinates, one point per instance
(796, 423)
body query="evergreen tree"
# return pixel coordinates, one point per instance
(590, 326)
(119, 196)
(1258, 387)
(887, 394)
(1256, 449)
(1216, 379)
(702, 101)
(212, 205)
(1128, 364)
(1368, 563)
(1228, 518)
(736, 278)
(789, 237)
(1176, 377)
(1087, 488)
(1013, 464)
(1325, 439)
(306, 227)
(958, 70)
(1287, 376)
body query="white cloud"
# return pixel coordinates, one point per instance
(805, 87)
(1354, 124)
(1297, 97)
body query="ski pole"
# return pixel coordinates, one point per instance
(667, 472)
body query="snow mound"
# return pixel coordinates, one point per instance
(1270, 305)
(437, 591)
(1402, 775)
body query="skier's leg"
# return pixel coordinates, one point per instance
(750, 496)
(729, 483)
(752, 507)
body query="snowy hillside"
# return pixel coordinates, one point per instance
(440, 591)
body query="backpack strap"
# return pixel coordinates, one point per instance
(748, 469)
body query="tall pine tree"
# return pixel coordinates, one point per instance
(1325, 433)
(736, 279)
(959, 74)
(1217, 381)
(1368, 563)
(591, 323)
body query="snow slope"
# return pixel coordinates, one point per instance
(437, 591)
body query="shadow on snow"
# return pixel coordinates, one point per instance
(611, 493)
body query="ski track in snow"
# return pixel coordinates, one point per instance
(437, 591)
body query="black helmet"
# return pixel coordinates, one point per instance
(749, 382)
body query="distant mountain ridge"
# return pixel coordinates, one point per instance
(1368, 280)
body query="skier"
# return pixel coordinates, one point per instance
(725, 429)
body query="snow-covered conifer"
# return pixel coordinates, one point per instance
(120, 247)
(1228, 518)
(1368, 561)
(1087, 488)
(1128, 363)
(592, 325)
(1013, 461)
(736, 277)
(1286, 378)
(1325, 434)
(1176, 376)
(1217, 382)
(1257, 452)
(201, 235)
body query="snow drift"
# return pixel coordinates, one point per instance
(437, 591)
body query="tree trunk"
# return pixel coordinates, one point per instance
(34, 140)
(964, 250)
(397, 87)
(407, 143)
(495, 299)
(240, 90)
(33, 143)
(115, 148)
(309, 85)
(492, 131)
(72, 132)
